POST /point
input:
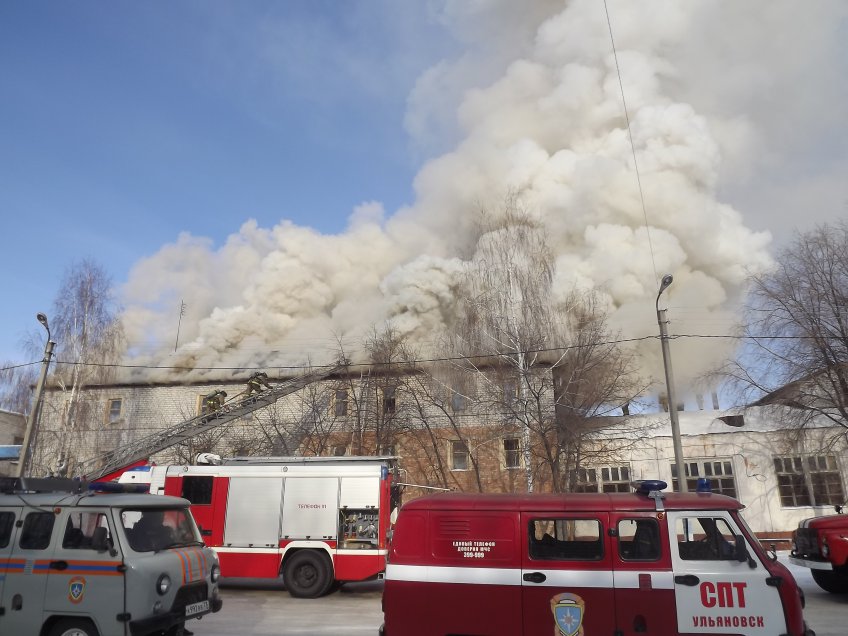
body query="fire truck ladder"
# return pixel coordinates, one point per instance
(144, 447)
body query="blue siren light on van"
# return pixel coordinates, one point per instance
(704, 485)
(645, 486)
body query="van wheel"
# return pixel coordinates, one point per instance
(307, 574)
(73, 627)
(833, 581)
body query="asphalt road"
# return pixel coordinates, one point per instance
(257, 608)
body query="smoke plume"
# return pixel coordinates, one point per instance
(533, 109)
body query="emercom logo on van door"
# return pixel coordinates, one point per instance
(568, 614)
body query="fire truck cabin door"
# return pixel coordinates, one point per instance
(717, 591)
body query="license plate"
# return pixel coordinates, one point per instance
(197, 608)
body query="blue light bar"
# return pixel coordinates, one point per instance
(703, 485)
(646, 486)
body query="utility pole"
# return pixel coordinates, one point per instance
(669, 385)
(32, 420)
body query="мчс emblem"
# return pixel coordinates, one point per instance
(76, 589)
(568, 614)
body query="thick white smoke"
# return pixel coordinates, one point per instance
(534, 108)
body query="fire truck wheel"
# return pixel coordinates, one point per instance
(307, 574)
(833, 581)
(73, 627)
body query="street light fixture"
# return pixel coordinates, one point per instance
(32, 420)
(662, 320)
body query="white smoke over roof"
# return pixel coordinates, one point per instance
(534, 108)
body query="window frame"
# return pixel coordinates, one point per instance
(516, 452)
(120, 416)
(341, 402)
(706, 469)
(805, 479)
(596, 482)
(453, 453)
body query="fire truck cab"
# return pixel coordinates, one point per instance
(80, 563)
(623, 564)
(314, 521)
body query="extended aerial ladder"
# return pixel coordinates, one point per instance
(141, 449)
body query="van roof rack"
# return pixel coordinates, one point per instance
(15, 485)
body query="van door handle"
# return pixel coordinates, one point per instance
(59, 565)
(687, 579)
(535, 577)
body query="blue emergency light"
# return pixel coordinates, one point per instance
(113, 487)
(647, 486)
(703, 485)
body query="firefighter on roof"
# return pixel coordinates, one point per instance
(256, 382)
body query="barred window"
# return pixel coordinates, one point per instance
(811, 480)
(718, 470)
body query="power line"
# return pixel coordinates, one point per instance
(415, 361)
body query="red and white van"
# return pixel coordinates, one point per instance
(567, 565)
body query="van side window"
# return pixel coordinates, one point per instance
(639, 539)
(7, 520)
(86, 531)
(566, 539)
(705, 539)
(198, 490)
(38, 526)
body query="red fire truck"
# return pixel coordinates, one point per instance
(627, 564)
(315, 521)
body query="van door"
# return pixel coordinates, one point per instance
(566, 574)
(7, 531)
(644, 584)
(26, 572)
(715, 592)
(85, 572)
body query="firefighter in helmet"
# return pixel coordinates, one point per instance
(256, 382)
(215, 401)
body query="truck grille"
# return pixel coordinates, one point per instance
(188, 594)
(806, 543)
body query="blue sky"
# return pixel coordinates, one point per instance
(127, 123)
(146, 134)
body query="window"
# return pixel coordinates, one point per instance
(387, 450)
(605, 479)
(389, 400)
(459, 455)
(811, 480)
(340, 403)
(511, 453)
(566, 539)
(7, 522)
(458, 402)
(339, 450)
(198, 490)
(113, 413)
(38, 526)
(86, 531)
(718, 471)
(639, 539)
(705, 539)
(152, 530)
(510, 391)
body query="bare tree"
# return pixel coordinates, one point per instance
(565, 366)
(798, 324)
(16, 384)
(87, 329)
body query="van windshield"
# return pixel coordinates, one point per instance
(154, 529)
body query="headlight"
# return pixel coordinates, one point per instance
(825, 550)
(163, 584)
(215, 574)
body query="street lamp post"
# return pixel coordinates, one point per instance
(669, 384)
(32, 420)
